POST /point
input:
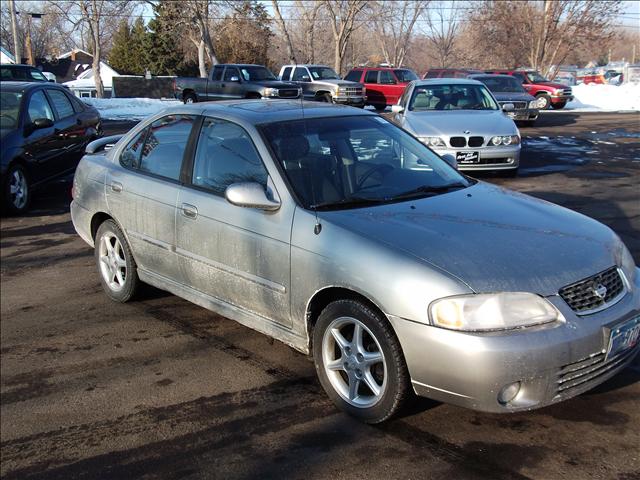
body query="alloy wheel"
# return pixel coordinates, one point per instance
(354, 362)
(18, 189)
(113, 265)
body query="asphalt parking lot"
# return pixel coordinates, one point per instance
(161, 388)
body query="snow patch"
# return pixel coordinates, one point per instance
(129, 108)
(609, 98)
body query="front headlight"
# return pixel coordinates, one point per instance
(628, 264)
(433, 142)
(492, 311)
(505, 140)
(533, 104)
(271, 92)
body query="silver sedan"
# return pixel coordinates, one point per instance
(460, 119)
(336, 232)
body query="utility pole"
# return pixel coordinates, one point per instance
(30, 59)
(14, 32)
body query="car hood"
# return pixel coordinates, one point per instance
(553, 85)
(490, 238)
(456, 122)
(276, 84)
(341, 83)
(513, 96)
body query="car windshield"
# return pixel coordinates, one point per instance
(356, 161)
(323, 73)
(451, 97)
(252, 74)
(502, 84)
(535, 77)
(405, 75)
(9, 109)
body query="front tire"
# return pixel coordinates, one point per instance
(189, 98)
(359, 361)
(544, 101)
(325, 98)
(17, 190)
(117, 268)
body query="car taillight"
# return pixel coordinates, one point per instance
(73, 191)
(175, 85)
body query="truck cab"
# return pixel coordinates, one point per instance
(549, 94)
(323, 84)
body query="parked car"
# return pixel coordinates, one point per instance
(450, 73)
(44, 130)
(507, 90)
(460, 119)
(343, 236)
(234, 81)
(323, 84)
(21, 73)
(549, 94)
(384, 85)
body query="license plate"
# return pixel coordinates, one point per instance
(623, 337)
(467, 157)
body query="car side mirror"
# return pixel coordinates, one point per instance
(235, 79)
(508, 107)
(397, 108)
(250, 195)
(450, 159)
(305, 78)
(42, 123)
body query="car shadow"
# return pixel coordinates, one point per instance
(553, 118)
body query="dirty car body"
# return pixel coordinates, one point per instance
(495, 301)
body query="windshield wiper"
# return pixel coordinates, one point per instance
(346, 203)
(426, 190)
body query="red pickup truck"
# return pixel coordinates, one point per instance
(384, 85)
(549, 94)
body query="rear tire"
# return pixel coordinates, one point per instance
(116, 266)
(189, 98)
(16, 190)
(364, 373)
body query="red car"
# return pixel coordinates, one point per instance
(450, 73)
(548, 93)
(384, 85)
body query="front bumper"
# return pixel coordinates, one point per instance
(350, 100)
(561, 98)
(491, 158)
(523, 114)
(552, 363)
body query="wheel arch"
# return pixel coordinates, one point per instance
(189, 91)
(323, 297)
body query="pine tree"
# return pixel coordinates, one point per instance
(120, 54)
(163, 52)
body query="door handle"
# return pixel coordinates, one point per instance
(189, 211)
(116, 187)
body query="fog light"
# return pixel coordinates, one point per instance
(508, 393)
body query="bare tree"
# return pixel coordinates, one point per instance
(394, 21)
(309, 13)
(343, 15)
(443, 26)
(283, 28)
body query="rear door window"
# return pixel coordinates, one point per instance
(61, 103)
(165, 145)
(371, 77)
(286, 74)
(217, 73)
(231, 72)
(354, 75)
(386, 77)
(39, 107)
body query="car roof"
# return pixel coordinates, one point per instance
(306, 65)
(380, 68)
(238, 65)
(14, 86)
(489, 75)
(446, 81)
(267, 111)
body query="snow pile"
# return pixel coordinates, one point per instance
(129, 108)
(610, 98)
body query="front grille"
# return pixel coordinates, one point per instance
(288, 92)
(566, 91)
(491, 161)
(352, 91)
(458, 142)
(590, 293)
(589, 369)
(476, 141)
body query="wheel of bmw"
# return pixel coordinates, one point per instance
(17, 190)
(116, 265)
(359, 361)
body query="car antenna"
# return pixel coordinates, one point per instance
(317, 228)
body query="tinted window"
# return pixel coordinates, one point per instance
(231, 72)
(256, 73)
(371, 77)
(452, 97)
(431, 74)
(354, 75)
(39, 107)
(520, 77)
(37, 74)
(130, 156)
(78, 106)
(165, 145)
(226, 155)
(323, 73)
(61, 103)
(217, 73)
(386, 77)
(405, 75)
(300, 75)
(9, 109)
(5, 73)
(286, 74)
(502, 84)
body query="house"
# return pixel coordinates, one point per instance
(6, 56)
(73, 69)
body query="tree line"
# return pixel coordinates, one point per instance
(186, 37)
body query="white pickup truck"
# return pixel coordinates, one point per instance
(323, 84)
